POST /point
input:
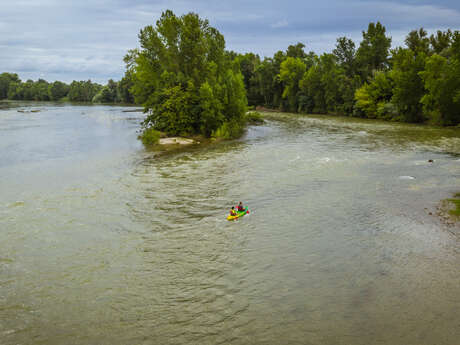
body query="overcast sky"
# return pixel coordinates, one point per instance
(87, 39)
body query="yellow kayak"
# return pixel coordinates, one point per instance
(239, 214)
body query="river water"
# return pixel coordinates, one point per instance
(104, 242)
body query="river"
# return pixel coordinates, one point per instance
(104, 242)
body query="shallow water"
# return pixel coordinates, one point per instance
(103, 242)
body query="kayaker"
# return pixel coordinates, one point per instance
(232, 211)
(240, 206)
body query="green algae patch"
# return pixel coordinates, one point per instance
(455, 202)
(449, 211)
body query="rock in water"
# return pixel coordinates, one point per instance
(406, 177)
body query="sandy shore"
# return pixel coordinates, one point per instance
(177, 141)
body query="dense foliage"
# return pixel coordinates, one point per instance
(188, 83)
(11, 87)
(416, 83)
(185, 80)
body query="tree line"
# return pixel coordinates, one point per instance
(190, 84)
(416, 83)
(12, 88)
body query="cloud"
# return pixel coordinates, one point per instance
(280, 24)
(87, 39)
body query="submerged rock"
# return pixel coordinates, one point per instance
(28, 111)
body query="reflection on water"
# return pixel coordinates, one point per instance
(103, 242)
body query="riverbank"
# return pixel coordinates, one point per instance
(263, 109)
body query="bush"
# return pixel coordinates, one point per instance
(387, 111)
(150, 137)
(254, 118)
(230, 130)
(97, 98)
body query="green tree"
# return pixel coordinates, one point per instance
(75, 91)
(296, 51)
(108, 93)
(441, 41)
(373, 50)
(292, 71)
(326, 88)
(183, 77)
(332, 78)
(40, 90)
(278, 86)
(441, 79)
(313, 95)
(264, 76)
(57, 90)
(5, 80)
(16, 90)
(373, 100)
(248, 64)
(408, 84)
(345, 53)
(233, 94)
(211, 109)
(28, 92)
(124, 88)
(83, 91)
(175, 106)
(418, 41)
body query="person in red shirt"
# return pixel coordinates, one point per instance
(240, 206)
